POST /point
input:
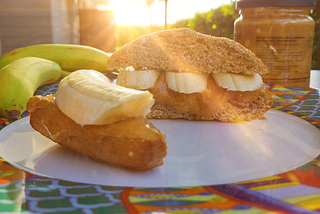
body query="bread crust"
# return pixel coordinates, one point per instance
(185, 50)
(132, 150)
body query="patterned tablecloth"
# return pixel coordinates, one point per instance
(297, 191)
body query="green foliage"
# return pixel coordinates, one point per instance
(180, 24)
(216, 22)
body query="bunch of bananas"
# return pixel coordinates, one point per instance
(25, 69)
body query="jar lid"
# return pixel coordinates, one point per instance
(274, 3)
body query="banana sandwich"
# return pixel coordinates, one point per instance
(99, 119)
(194, 76)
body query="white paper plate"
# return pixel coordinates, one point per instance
(199, 153)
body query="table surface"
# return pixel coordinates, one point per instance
(296, 191)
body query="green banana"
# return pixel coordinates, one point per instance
(69, 57)
(21, 78)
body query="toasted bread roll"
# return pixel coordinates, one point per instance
(185, 50)
(133, 143)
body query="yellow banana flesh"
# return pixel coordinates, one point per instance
(20, 79)
(238, 82)
(187, 83)
(139, 79)
(89, 97)
(69, 57)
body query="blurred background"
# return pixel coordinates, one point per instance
(110, 24)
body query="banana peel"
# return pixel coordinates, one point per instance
(69, 57)
(21, 78)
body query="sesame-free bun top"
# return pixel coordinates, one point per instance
(185, 50)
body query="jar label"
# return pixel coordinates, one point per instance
(288, 58)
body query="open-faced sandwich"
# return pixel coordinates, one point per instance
(194, 76)
(99, 119)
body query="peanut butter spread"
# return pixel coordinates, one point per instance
(205, 103)
(62, 127)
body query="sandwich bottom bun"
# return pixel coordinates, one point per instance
(233, 111)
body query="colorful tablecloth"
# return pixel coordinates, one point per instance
(297, 191)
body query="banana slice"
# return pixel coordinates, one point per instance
(139, 79)
(238, 82)
(89, 97)
(187, 83)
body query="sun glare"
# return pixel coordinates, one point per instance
(130, 12)
(136, 12)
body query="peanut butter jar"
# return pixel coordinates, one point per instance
(280, 33)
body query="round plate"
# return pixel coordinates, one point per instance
(200, 153)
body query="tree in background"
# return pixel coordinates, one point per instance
(165, 13)
(149, 3)
(216, 22)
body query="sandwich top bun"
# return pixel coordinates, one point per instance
(185, 50)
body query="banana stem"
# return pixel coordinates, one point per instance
(64, 73)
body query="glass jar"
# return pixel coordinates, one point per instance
(280, 33)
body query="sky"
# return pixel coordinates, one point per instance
(134, 12)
